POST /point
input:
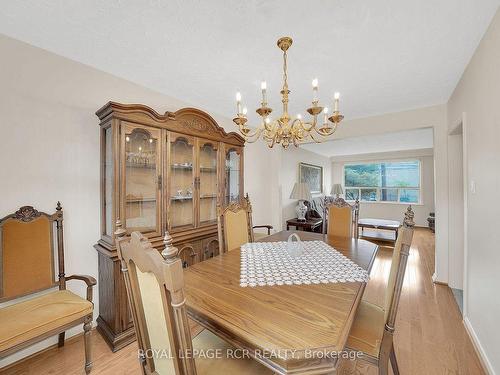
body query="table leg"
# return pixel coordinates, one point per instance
(287, 227)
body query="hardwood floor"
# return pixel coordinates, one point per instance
(430, 337)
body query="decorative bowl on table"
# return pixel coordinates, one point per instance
(294, 248)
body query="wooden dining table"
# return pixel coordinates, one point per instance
(291, 329)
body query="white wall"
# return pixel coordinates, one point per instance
(50, 147)
(456, 208)
(394, 211)
(262, 183)
(289, 174)
(478, 96)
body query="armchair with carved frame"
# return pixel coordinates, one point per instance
(29, 240)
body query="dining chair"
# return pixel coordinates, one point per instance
(340, 218)
(155, 288)
(235, 225)
(372, 332)
(32, 261)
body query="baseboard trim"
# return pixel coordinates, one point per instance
(483, 359)
(436, 281)
(441, 283)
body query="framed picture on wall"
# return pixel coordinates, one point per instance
(313, 176)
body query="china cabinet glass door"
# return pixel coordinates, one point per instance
(142, 179)
(232, 175)
(207, 181)
(107, 181)
(181, 189)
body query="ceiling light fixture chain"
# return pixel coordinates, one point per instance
(284, 130)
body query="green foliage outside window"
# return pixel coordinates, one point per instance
(389, 181)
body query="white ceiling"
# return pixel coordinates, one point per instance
(414, 139)
(382, 55)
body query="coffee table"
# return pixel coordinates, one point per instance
(388, 225)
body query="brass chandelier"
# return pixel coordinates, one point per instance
(285, 130)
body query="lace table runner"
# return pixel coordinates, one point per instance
(269, 263)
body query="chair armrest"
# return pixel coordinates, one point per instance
(89, 280)
(269, 227)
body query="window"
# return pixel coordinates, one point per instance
(391, 181)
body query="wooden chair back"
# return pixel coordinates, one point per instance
(340, 218)
(155, 288)
(27, 252)
(398, 268)
(235, 224)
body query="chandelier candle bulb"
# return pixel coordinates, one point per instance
(325, 112)
(315, 90)
(263, 87)
(238, 103)
(245, 111)
(337, 98)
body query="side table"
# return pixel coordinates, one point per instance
(305, 225)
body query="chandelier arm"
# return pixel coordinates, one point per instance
(317, 132)
(269, 127)
(314, 139)
(256, 132)
(251, 138)
(271, 144)
(313, 125)
(269, 138)
(269, 132)
(333, 129)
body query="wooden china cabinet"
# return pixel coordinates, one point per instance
(160, 172)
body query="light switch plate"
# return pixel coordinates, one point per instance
(473, 187)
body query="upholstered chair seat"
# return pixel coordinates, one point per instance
(37, 316)
(259, 235)
(367, 329)
(206, 340)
